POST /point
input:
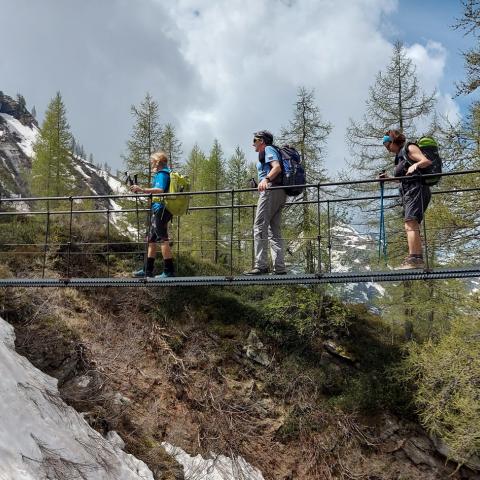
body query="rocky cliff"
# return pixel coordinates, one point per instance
(18, 134)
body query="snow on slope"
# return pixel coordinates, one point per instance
(41, 437)
(27, 135)
(218, 467)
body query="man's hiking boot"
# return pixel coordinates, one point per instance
(256, 271)
(141, 274)
(279, 272)
(165, 275)
(410, 263)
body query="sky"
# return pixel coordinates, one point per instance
(220, 69)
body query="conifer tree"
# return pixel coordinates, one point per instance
(308, 133)
(22, 104)
(454, 218)
(395, 100)
(193, 224)
(193, 166)
(212, 177)
(170, 144)
(237, 170)
(146, 139)
(238, 174)
(51, 173)
(470, 23)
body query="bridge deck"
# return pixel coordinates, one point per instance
(238, 280)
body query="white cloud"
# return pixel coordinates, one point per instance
(218, 69)
(430, 61)
(252, 56)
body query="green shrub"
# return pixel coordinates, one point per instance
(447, 376)
(307, 310)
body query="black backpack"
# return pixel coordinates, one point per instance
(429, 148)
(293, 173)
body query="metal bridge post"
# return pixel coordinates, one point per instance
(178, 241)
(253, 240)
(329, 238)
(232, 203)
(47, 233)
(319, 232)
(427, 263)
(108, 240)
(138, 226)
(70, 237)
(148, 222)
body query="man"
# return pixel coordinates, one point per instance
(268, 219)
(159, 219)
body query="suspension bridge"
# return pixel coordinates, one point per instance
(62, 222)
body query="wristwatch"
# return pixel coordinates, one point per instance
(267, 179)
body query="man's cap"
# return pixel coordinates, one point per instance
(265, 135)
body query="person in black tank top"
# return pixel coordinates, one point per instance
(414, 194)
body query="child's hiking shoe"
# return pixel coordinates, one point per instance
(141, 274)
(256, 271)
(410, 263)
(165, 275)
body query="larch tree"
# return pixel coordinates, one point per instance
(238, 175)
(470, 24)
(396, 100)
(308, 133)
(193, 166)
(146, 138)
(171, 145)
(194, 224)
(52, 173)
(212, 177)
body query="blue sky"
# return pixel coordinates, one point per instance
(423, 20)
(220, 69)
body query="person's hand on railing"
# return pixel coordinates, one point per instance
(383, 174)
(136, 189)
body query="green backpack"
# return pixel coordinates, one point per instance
(429, 148)
(178, 204)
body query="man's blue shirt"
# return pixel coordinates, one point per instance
(263, 169)
(161, 180)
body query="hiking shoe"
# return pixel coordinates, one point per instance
(411, 263)
(141, 274)
(281, 272)
(165, 275)
(256, 271)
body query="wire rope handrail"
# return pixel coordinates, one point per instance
(326, 239)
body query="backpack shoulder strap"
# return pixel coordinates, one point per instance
(404, 152)
(279, 153)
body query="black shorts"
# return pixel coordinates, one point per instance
(159, 226)
(415, 197)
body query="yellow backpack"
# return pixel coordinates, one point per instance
(178, 204)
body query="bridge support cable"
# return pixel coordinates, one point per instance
(242, 280)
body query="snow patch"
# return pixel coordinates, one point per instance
(218, 467)
(28, 135)
(39, 432)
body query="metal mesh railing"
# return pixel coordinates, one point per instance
(331, 225)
